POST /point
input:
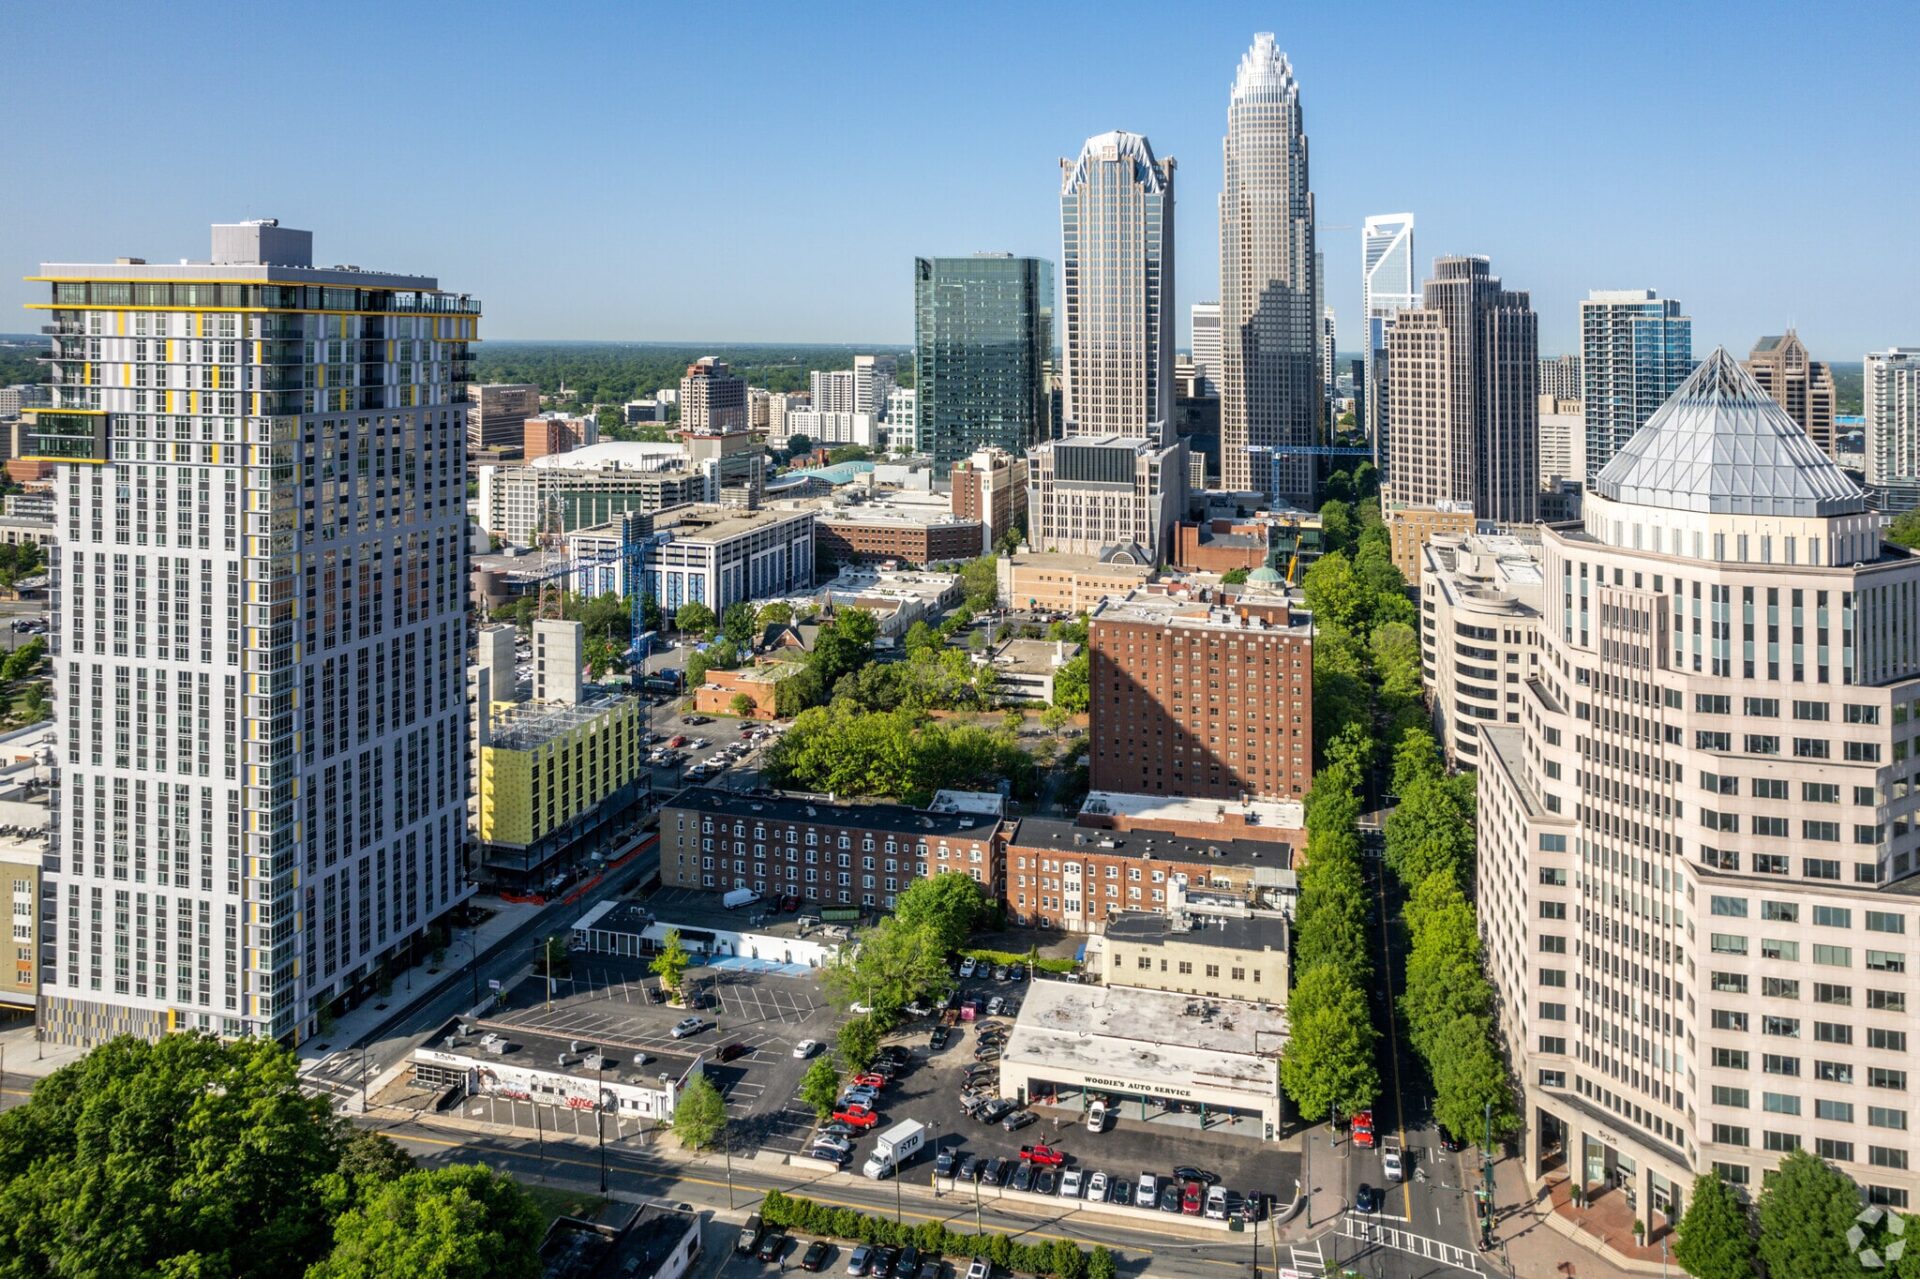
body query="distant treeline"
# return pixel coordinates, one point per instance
(615, 372)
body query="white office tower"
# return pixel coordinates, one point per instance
(1388, 286)
(1116, 242)
(1270, 392)
(1892, 404)
(260, 610)
(1697, 841)
(1206, 348)
(1328, 328)
(873, 381)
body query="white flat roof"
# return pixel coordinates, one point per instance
(1278, 814)
(616, 455)
(1147, 1035)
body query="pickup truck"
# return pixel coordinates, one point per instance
(1392, 1159)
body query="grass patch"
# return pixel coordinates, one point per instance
(554, 1203)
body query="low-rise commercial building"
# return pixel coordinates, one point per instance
(898, 527)
(1160, 1052)
(1220, 954)
(1054, 582)
(1024, 668)
(654, 1242)
(819, 850)
(635, 929)
(481, 1059)
(759, 684)
(1480, 601)
(1220, 546)
(896, 599)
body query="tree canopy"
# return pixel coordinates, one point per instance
(699, 1114)
(695, 618)
(1805, 1210)
(464, 1222)
(1715, 1236)
(1328, 1061)
(901, 753)
(947, 905)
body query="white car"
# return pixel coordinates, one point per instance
(1097, 1188)
(1148, 1191)
(1070, 1184)
(859, 1009)
(806, 1048)
(833, 1142)
(1217, 1202)
(996, 1006)
(967, 967)
(980, 1269)
(688, 1026)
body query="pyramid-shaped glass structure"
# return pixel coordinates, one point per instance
(1720, 444)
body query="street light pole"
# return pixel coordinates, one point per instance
(726, 1149)
(599, 1118)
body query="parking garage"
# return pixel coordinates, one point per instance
(1213, 1064)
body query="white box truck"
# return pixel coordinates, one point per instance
(894, 1147)
(738, 897)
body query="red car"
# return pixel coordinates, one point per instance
(1042, 1155)
(858, 1116)
(1363, 1128)
(868, 1079)
(1191, 1198)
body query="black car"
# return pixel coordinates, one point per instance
(1017, 973)
(772, 1246)
(1120, 1190)
(1201, 1175)
(945, 1162)
(816, 1256)
(1367, 1198)
(996, 1174)
(894, 1053)
(940, 1038)
(734, 1052)
(883, 1257)
(929, 1269)
(970, 1167)
(1170, 1197)
(1023, 1177)
(1044, 1181)
(1019, 1119)
(906, 1263)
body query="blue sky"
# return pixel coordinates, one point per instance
(765, 173)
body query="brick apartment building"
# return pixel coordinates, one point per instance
(1203, 697)
(1063, 874)
(991, 487)
(1219, 546)
(552, 433)
(871, 535)
(834, 854)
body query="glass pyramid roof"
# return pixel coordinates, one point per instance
(1720, 444)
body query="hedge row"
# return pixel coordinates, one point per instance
(1060, 1257)
(1045, 963)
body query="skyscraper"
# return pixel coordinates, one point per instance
(1462, 407)
(1206, 347)
(1800, 385)
(1698, 836)
(1635, 348)
(873, 378)
(1560, 377)
(982, 337)
(1891, 398)
(1387, 288)
(1270, 388)
(713, 400)
(262, 717)
(1327, 338)
(1116, 250)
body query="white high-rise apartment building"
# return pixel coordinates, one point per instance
(1892, 404)
(873, 380)
(1270, 389)
(1388, 286)
(1698, 841)
(1116, 240)
(1635, 348)
(260, 610)
(1206, 347)
(1560, 377)
(833, 390)
(903, 420)
(1327, 337)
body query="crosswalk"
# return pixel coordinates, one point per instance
(1379, 1235)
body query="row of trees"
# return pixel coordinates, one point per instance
(615, 372)
(1329, 1061)
(191, 1157)
(1059, 1257)
(903, 753)
(1806, 1210)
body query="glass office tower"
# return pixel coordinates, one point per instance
(983, 334)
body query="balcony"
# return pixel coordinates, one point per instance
(68, 436)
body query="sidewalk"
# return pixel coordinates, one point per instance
(1540, 1232)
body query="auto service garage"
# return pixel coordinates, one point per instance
(1164, 1057)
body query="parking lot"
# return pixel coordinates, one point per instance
(705, 742)
(930, 1090)
(612, 1002)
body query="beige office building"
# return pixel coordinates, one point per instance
(1799, 384)
(1697, 845)
(1479, 633)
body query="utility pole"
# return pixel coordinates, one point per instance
(1486, 1171)
(599, 1117)
(977, 1227)
(539, 1136)
(363, 1075)
(726, 1150)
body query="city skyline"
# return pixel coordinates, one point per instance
(1671, 223)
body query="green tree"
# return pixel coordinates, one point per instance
(1806, 1207)
(34, 706)
(22, 661)
(1715, 1237)
(1416, 757)
(1068, 1261)
(844, 645)
(894, 963)
(980, 579)
(743, 705)
(699, 1114)
(185, 1156)
(799, 445)
(1468, 1076)
(1328, 1062)
(1334, 593)
(739, 623)
(1101, 1264)
(695, 618)
(1905, 529)
(1054, 718)
(670, 965)
(947, 905)
(1395, 650)
(778, 613)
(858, 1041)
(1336, 525)
(1071, 691)
(370, 1159)
(608, 616)
(820, 1086)
(1332, 928)
(1430, 830)
(602, 656)
(464, 1222)
(1235, 576)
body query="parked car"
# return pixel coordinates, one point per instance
(861, 1259)
(833, 1141)
(1044, 1181)
(895, 1054)
(688, 1026)
(868, 1079)
(1170, 1197)
(806, 1048)
(996, 1006)
(931, 1268)
(1148, 1189)
(1191, 1198)
(1041, 1154)
(945, 1162)
(859, 1097)
(858, 1116)
(734, 1052)
(883, 1261)
(1097, 1188)
(906, 1263)
(996, 1172)
(996, 1110)
(980, 1269)
(939, 1039)
(1217, 1202)
(999, 972)
(967, 967)
(1186, 1173)
(772, 1246)
(1120, 1191)
(1448, 1141)
(1019, 1119)
(970, 1168)
(1367, 1198)
(1023, 1177)
(1363, 1128)
(816, 1256)
(1070, 1184)
(1258, 1205)
(749, 1236)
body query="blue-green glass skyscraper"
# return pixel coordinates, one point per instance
(983, 336)
(1636, 349)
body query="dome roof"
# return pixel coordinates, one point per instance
(1265, 575)
(1720, 444)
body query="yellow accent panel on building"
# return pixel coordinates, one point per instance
(529, 790)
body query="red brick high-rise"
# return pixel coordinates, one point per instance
(1206, 697)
